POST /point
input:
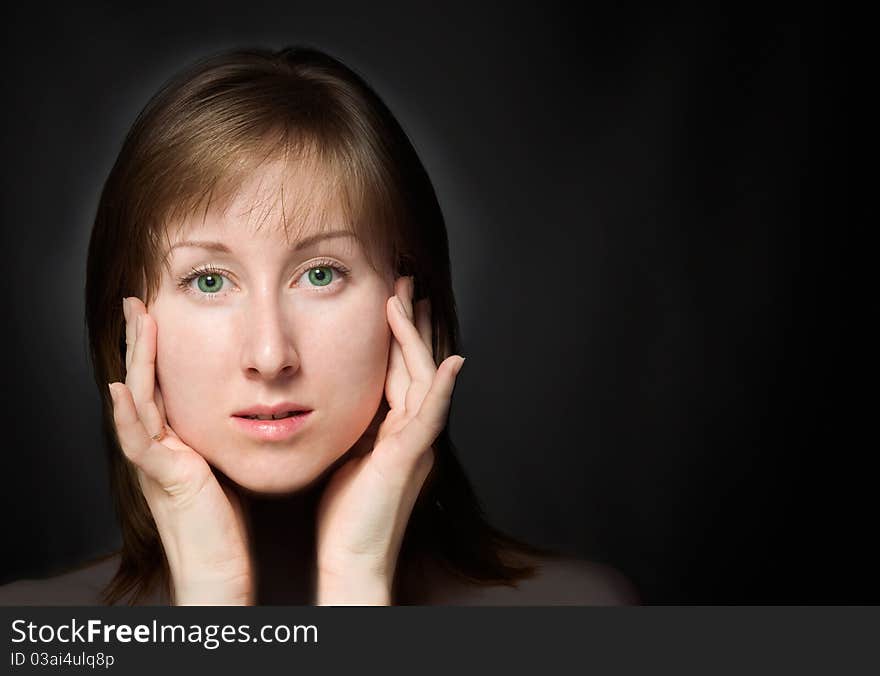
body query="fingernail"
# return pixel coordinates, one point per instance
(400, 307)
(140, 321)
(461, 364)
(112, 393)
(125, 308)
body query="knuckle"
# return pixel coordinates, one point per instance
(185, 486)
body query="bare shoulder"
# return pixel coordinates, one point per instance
(81, 586)
(567, 581)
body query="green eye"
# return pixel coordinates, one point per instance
(210, 283)
(319, 276)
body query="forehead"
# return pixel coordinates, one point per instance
(281, 200)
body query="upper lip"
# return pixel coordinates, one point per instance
(274, 409)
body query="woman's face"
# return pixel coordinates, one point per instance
(271, 321)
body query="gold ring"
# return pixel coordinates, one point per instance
(158, 436)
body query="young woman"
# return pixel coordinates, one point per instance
(281, 367)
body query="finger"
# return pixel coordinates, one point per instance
(398, 379)
(155, 459)
(129, 332)
(423, 322)
(416, 312)
(407, 289)
(141, 379)
(424, 428)
(133, 308)
(160, 404)
(416, 355)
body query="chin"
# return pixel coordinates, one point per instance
(267, 478)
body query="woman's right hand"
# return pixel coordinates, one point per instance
(200, 522)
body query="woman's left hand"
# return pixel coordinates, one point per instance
(366, 505)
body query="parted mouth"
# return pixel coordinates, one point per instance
(284, 409)
(288, 414)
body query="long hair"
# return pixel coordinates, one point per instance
(190, 147)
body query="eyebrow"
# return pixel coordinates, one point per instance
(301, 244)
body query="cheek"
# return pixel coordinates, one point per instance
(349, 348)
(191, 359)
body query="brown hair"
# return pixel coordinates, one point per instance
(191, 146)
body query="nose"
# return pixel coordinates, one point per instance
(268, 351)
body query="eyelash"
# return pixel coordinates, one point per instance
(184, 282)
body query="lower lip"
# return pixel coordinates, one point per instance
(272, 430)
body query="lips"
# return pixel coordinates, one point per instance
(280, 410)
(280, 416)
(272, 430)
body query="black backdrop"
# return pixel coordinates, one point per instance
(639, 210)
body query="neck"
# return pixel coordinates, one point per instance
(282, 535)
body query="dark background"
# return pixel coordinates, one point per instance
(643, 214)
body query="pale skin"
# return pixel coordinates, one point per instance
(265, 353)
